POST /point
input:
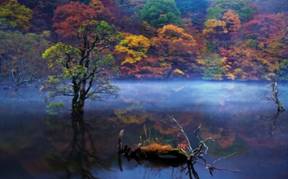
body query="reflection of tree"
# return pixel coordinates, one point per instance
(275, 98)
(80, 155)
(82, 150)
(274, 120)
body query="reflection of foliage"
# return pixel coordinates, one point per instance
(131, 117)
(165, 154)
(238, 147)
(223, 141)
(160, 12)
(53, 108)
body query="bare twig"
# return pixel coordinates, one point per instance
(183, 133)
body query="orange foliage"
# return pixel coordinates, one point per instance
(149, 67)
(174, 41)
(157, 148)
(242, 62)
(101, 10)
(232, 21)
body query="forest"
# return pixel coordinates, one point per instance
(153, 39)
(143, 89)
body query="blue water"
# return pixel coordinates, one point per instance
(238, 113)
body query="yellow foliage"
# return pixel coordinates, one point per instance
(213, 26)
(131, 118)
(174, 32)
(133, 48)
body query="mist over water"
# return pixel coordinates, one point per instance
(238, 113)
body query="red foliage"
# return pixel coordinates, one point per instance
(69, 17)
(266, 27)
(150, 67)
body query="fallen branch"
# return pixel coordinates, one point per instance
(168, 155)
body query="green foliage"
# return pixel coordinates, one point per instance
(53, 79)
(160, 12)
(213, 67)
(196, 9)
(84, 65)
(21, 53)
(14, 15)
(57, 54)
(242, 7)
(283, 70)
(191, 6)
(53, 108)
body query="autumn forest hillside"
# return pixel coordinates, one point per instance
(144, 39)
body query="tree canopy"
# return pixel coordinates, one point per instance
(160, 12)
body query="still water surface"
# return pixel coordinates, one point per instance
(237, 115)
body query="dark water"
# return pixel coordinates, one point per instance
(237, 115)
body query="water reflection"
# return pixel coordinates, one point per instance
(237, 116)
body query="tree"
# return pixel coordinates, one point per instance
(241, 7)
(244, 62)
(220, 33)
(216, 34)
(69, 17)
(215, 27)
(213, 67)
(191, 6)
(83, 65)
(133, 48)
(177, 47)
(160, 12)
(149, 67)
(14, 15)
(195, 9)
(102, 11)
(283, 70)
(268, 33)
(20, 56)
(232, 21)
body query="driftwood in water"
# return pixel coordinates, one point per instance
(275, 93)
(156, 152)
(168, 155)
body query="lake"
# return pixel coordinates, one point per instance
(237, 115)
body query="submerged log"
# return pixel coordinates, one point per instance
(166, 155)
(158, 153)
